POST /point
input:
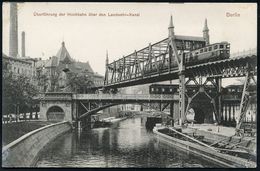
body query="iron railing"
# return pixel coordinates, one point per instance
(244, 53)
(161, 97)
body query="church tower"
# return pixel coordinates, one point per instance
(171, 28)
(206, 32)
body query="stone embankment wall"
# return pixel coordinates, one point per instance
(24, 151)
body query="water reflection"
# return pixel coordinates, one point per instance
(126, 144)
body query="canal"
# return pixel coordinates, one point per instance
(125, 144)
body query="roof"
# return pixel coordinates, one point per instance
(63, 54)
(63, 59)
(84, 65)
(48, 62)
(193, 38)
(40, 63)
(98, 75)
(30, 59)
(4, 56)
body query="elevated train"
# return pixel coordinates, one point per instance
(234, 91)
(213, 52)
(174, 88)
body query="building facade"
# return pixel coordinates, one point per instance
(20, 66)
(57, 68)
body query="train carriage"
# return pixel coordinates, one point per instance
(209, 53)
(163, 88)
(213, 52)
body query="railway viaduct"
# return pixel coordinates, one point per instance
(132, 70)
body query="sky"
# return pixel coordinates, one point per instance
(87, 38)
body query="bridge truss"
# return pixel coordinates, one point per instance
(164, 61)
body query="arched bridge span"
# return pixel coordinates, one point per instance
(92, 103)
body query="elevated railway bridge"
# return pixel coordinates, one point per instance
(167, 60)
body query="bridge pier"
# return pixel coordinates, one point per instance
(56, 107)
(79, 127)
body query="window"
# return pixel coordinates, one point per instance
(163, 89)
(152, 89)
(206, 49)
(215, 47)
(170, 90)
(18, 70)
(210, 49)
(227, 46)
(201, 50)
(221, 46)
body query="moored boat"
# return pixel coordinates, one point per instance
(107, 122)
(225, 155)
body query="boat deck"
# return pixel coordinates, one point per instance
(218, 130)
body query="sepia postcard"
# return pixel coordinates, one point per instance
(119, 85)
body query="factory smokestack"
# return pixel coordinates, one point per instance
(23, 44)
(13, 42)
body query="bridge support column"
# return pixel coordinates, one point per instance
(171, 110)
(171, 113)
(233, 119)
(74, 110)
(79, 125)
(229, 113)
(219, 100)
(182, 98)
(225, 118)
(244, 104)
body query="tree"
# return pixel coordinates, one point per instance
(18, 93)
(42, 80)
(54, 80)
(79, 83)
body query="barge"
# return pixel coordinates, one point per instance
(107, 122)
(226, 157)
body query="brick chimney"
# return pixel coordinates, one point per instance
(13, 42)
(23, 44)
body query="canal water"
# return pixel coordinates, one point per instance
(125, 144)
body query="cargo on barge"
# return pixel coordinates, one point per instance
(195, 144)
